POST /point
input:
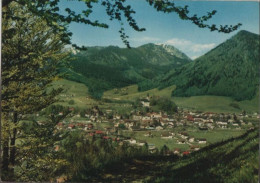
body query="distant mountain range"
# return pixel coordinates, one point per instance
(103, 68)
(231, 69)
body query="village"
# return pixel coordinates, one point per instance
(109, 125)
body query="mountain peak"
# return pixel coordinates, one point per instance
(243, 34)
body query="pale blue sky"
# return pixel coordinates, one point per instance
(167, 28)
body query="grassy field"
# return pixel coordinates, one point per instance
(217, 104)
(212, 136)
(73, 91)
(79, 94)
(131, 93)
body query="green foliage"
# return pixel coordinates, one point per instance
(164, 150)
(164, 103)
(121, 126)
(37, 158)
(71, 102)
(229, 161)
(31, 56)
(87, 157)
(118, 10)
(230, 69)
(104, 68)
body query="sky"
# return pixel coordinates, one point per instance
(167, 28)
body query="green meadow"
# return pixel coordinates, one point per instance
(120, 99)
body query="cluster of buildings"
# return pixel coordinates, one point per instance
(151, 122)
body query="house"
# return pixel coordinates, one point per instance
(165, 118)
(184, 135)
(181, 141)
(163, 123)
(191, 139)
(194, 148)
(59, 126)
(71, 126)
(171, 118)
(149, 134)
(185, 153)
(176, 151)
(222, 124)
(190, 118)
(159, 128)
(146, 118)
(203, 128)
(235, 124)
(202, 141)
(57, 148)
(99, 132)
(198, 119)
(230, 120)
(81, 125)
(156, 115)
(151, 147)
(145, 103)
(141, 143)
(137, 117)
(150, 128)
(132, 141)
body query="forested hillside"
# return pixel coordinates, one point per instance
(231, 69)
(103, 68)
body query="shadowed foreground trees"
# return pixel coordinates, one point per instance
(31, 55)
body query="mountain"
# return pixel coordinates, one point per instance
(103, 68)
(231, 69)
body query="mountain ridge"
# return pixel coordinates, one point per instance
(113, 67)
(230, 69)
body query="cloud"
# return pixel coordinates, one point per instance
(188, 46)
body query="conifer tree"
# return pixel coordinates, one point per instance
(31, 55)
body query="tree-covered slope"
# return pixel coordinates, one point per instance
(231, 161)
(234, 160)
(103, 68)
(230, 69)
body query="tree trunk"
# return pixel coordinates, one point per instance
(13, 139)
(5, 161)
(12, 145)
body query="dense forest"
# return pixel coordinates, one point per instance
(104, 68)
(231, 69)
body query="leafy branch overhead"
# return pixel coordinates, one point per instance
(116, 10)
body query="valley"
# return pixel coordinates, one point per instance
(148, 112)
(213, 113)
(117, 91)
